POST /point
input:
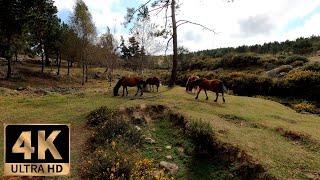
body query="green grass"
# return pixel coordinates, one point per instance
(282, 158)
(191, 166)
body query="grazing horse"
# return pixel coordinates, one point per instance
(153, 81)
(190, 79)
(215, 85)
(131, 82)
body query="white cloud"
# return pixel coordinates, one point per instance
(101, 11)
(241, 22)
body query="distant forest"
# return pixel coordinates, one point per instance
(301, 46)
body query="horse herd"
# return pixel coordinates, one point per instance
(193, 83)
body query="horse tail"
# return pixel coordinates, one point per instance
(145, 83)
(187, 84)
(223, 88)
(117, 87)
(142, 83)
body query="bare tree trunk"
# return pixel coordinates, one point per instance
(16, 56)
(47, 61)
(86, 71)
(59, 63)
(9, 68)
(57, 59)
(42, 62)
(83, 69)
(175, 45)
(68, 67)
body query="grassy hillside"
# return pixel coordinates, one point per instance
(286, 143)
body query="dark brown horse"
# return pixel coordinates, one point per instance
(153, 81)
(126, 82)
(191, 79)
(215, 85)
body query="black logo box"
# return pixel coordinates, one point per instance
(62, 142)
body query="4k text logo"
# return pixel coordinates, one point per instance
(37, 150)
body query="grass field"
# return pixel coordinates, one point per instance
(286, 143)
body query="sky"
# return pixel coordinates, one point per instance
(241, 22)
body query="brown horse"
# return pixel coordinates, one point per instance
(191, 79)
(131, 82)
(153, 81)
(215, 85)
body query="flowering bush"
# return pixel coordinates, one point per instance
(307, 107)
(97, 117)
(106, 164)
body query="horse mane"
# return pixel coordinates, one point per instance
(117, 86)
(196, 82)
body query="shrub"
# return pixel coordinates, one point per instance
(106, 164)
(297, 63)
(303, 78)
(307, 107)
(115, 128)
(294, 58)
(201, 133)
(315, 66)
(143, 169)
(99, 116)
(239, 60)
(247, 84)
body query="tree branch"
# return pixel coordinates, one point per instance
(197, 24)
(165, 52)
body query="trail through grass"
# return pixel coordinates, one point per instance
(283, 158)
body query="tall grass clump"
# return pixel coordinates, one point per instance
(314, 66)
(202, 135)
(99, 116)
(294, 58)
(110, 152)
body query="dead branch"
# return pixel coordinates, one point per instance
(194, 23)
(167, 45)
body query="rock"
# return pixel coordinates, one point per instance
(169, 157)
(282, 74)
(138, 119)
(180, 149)
(97, 75)
(138, 128)
(277, 71)
(158, 174)
(21, 88)
(168, 147)
(171, 167)
(150, 140)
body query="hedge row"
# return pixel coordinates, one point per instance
(298, 83)
(243, 61)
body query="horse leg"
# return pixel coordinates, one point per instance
(223, 97)
(206, 94)
(141, 90)
(216, 97)
(127, 90)
(137, 90)
(198, 93)
(123, 88)
(157, 88)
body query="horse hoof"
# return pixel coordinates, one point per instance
(215, 100)
(207, 98)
